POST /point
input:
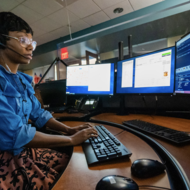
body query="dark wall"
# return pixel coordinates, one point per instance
(165, 102)
(166, 105)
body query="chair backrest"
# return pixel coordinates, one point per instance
(38, 95)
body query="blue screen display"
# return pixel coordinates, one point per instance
(149, 73)
(95, 79)
(182, 79)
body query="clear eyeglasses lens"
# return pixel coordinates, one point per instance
(26, 41)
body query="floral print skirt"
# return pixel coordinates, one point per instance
(32, 169)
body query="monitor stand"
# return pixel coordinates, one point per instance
(122, 109)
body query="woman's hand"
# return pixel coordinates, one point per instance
(83, 135)
(76, 129)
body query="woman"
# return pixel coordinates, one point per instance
(24, 161)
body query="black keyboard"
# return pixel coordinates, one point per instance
(104, 147)
(171, 135)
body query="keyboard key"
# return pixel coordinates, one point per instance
(102, 156)
(118, 152)
(117, 143)
(112, 154)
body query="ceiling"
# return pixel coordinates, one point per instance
(50, 19)
(145, 38)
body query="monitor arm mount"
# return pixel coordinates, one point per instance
(57, 59)
(122, 109)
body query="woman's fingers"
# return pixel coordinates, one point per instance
(92, 131)
(93, 135)
(88, 124)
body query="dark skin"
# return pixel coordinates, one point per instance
(76, 135)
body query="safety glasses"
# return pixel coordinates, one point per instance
(24, 41)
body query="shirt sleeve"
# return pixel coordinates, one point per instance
(13, 133)
(38, 115)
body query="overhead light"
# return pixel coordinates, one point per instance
(118, 10)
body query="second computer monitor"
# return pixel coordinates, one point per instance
(95, 79)
(53, 93)
(149, 73)
(182, 80)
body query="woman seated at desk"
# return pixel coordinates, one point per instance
(25, 160)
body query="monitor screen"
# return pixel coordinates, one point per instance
(182, 79)
(95, 79)
(149, 73)
(53, 93)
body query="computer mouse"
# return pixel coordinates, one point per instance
(144, 168)
(116, 182)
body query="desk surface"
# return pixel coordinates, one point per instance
(78, 176)
(181, 153)
(65, 114)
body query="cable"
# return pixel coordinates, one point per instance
(119, 133)
(68, 20)
(143, 97)
(157, 187)
(156, 98)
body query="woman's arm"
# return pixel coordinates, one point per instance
(58, 126)
(42, 140)
(40, 117)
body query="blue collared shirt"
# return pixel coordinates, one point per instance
(17, 105)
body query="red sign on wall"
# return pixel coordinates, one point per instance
(64, 53)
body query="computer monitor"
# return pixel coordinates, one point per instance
(149, 73)
(53, 93)
(182, 78)
(95, 79)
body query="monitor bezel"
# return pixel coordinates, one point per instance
(176, 92)
(183, 36)
(150, 94)
(89, 95)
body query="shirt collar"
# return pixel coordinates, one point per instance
(3, 68)
(26, 79)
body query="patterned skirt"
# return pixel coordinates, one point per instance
(32, 169)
